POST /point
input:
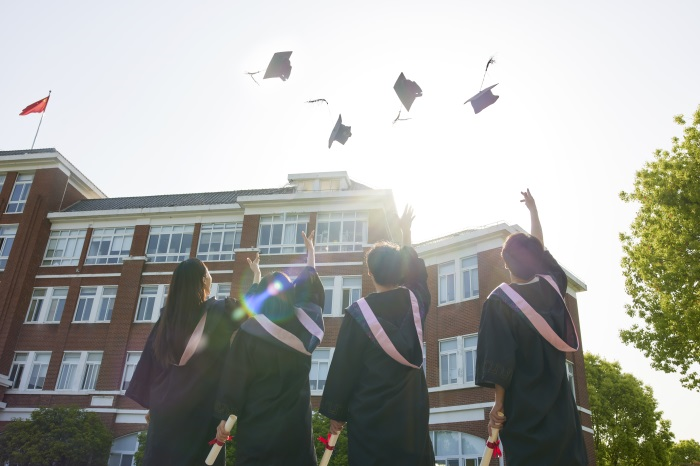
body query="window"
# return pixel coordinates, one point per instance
(132, 358)
(37, 375)
(470, 278)
(151, 300)
(570, 377)
(170, 243)
(341, 292)
(2, 181)
(220, 290)
(17, 370)
(109, 245)
(458, 360)
(217, 241)
(123, 450)
(95, 304)
(7, 237)
(425, 359)
(46, 305)
(457, 448)
(64, 247)
(446, 283)
(341, 231)
(281, 234)
(320, 362)
(79, 370)
(19, 194)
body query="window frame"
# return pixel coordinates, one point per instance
(103, 235)
(21, 202)
(74, 236)
(34, 355)
(46, 305)
(298, 221)
(159, 301)
(570, 377)
(7, 236)
(331, 246)
(81, 369)
(129, 365)
(220, 290)
(335, 286)
(318, 362)
(442, 300)
(184, 249)
(101, 293)
(460, 353)
(18, 367)
(223, 228)
(473, 271)
(457, 277)
(463, 458)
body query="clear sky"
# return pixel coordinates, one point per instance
(151, 98)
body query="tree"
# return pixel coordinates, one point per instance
(321, 426)
(628, 429)
(661, 259)
(56, 437)
(685, 453)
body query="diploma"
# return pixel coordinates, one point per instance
(491, 447)
(330, 445)
(216, 447)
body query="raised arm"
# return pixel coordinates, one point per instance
(405, 223)
(535, 225)
(255, 267)
(310, 251)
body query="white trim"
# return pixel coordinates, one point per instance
(587, 429)
(154, 215)
(212, 272)
(135, 258)
(465, 413)
(324, 264)
(8, 414)
(5, 381)
(79, 275)
(17, 391)
(446, 409)
(584, 410)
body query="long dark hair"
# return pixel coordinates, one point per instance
(182, 311)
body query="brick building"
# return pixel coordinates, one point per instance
(83, 276)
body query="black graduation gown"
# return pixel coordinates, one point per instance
(266, 384)
(181, 398)
(543, 425)
(384, 402)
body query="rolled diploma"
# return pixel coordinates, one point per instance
(216, 448)
(327, 453)
(488, 452)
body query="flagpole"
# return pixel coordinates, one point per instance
(40, 120)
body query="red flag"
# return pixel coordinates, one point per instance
(37, 107)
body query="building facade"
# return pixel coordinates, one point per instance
(83, 277)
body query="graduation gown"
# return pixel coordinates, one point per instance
(181, 398)
(266, 381)
(384, 402)
(543, 425)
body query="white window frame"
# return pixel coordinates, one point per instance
(297, 222)
(104, 295)
(30, 365)
(463, 458)
(64, 247)
(570, 376)
(316, 363)
(216, 247)
(2, 181)
(18, 369)
(184, 247)
(336, 285)
(132, 359)
(20, 190)
(118, 242)
(45, 305)
(159, 298)
(473, 272)
(220, 290)
(81, 374)
(445, 277)
(7, 239)
(324, 243)
(119, 453)
(464, 348)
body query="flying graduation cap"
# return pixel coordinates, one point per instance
(279, 67)
(407, 91)
(340, 132)
(484, 97)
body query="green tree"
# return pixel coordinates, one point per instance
(56, 437)
(661, 259)
(685, 453)
(628, 428)
(138, 456)
(321, 425)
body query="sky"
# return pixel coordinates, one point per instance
(152, 98)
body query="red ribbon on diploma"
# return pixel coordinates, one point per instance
(324, 440)
(221, 444)
(494, 446)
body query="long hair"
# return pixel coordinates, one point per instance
(386, 264)
(522, 254)
(181, 313)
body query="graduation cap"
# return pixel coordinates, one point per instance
(483, 99)
(407, 91)
(340, 132)
(279, 66)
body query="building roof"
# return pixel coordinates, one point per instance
(172, 200)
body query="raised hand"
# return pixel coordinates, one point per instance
(308, 240)
(255, 267)
(528, 200)
(405, 223)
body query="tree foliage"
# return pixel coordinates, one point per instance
(661, 259)
(57, 437)
(685, 453)
(628, 429)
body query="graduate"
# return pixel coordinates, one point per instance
(375, 382)
(266, 377)
(524, 335)
(178, 373)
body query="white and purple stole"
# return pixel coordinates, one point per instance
(380, 336)
(518, 304)
(288, 338)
